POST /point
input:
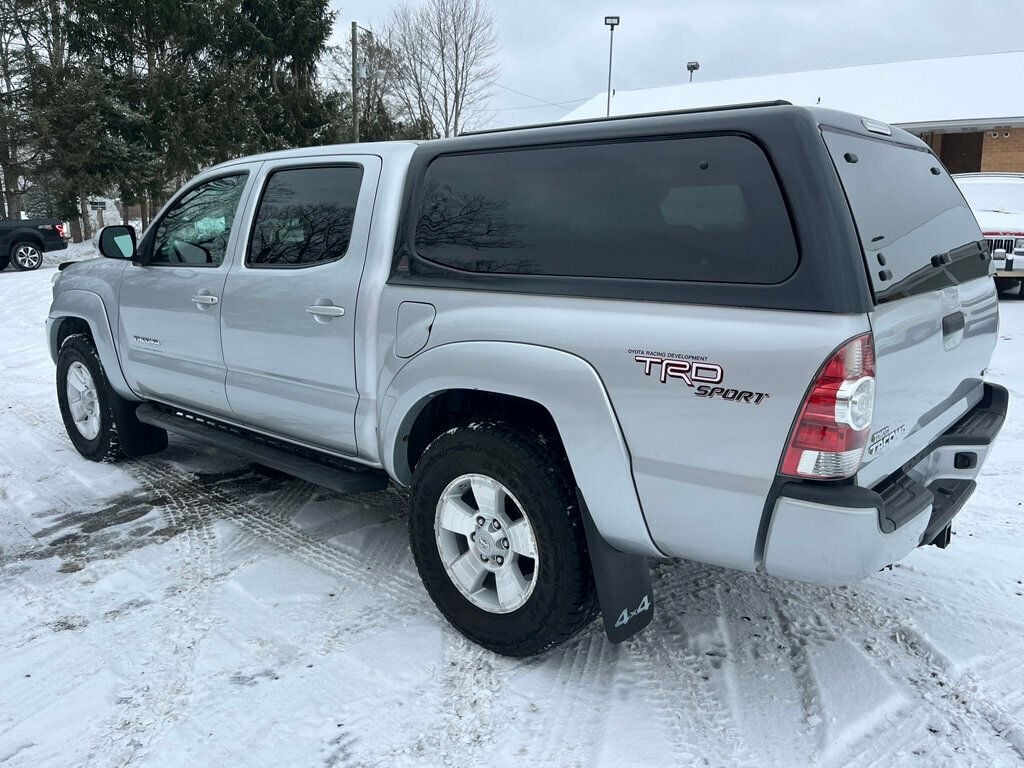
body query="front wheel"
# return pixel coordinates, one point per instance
(101, 424)
(84, 400)
(26, 256)
(498, 540)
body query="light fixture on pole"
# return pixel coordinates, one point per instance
(611, 22)
(355, 83)
(358, 71)
(691, 67)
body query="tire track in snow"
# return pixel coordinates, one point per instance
(946, 712)
(262, 507)
(570, 722)
(471, 707)
(355, 571)
(957, 700)
(682, 676)
(194, 502)
(797, 634)
(159, 697)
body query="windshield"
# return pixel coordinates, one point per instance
(993, 195)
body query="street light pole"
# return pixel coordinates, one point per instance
(355, 84)
(611, 22)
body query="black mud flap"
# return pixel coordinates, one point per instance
(136, 439)
(623, 583)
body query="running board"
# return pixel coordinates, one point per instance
(319, 469)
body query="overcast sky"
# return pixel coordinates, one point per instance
(557, 50)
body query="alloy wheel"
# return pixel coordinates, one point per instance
(486, 543)
(83, 400)
(27, 256)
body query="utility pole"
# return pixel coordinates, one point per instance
(355, 86)
(611, 22)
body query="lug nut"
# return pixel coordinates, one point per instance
(495, 525)
(504, 543)
(499, 559)
(472, 536)
(484, 558)
(480, 522)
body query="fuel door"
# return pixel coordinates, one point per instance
(415, 319)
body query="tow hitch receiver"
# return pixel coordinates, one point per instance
(943, 538)
(623, 583)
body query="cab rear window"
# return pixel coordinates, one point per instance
(910, 216)
(697, 209)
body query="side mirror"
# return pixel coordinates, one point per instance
(118, 242)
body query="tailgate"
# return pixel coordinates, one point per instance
(936, 315)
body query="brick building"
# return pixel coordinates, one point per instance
(970, 109)
(1000, 148)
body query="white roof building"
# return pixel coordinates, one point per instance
(978, 98)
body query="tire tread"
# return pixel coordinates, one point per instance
(536, 449)
(109, 448)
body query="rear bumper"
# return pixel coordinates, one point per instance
(55, 245)
(836, 534)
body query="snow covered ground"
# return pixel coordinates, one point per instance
(184, 610)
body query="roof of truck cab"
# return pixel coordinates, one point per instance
(726, 118)
(383, 149)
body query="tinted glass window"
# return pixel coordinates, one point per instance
(703, 209)
(305, 217)
(907, 210)
(196, 228)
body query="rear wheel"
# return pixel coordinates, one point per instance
(498, 540)
(26, 256)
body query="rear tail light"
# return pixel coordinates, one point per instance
(831, 431)
(60, 229)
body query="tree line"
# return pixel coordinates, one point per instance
(129, 100)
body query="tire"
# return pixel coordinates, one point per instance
(1006, 284)
(534, 482)
(111, 431)
(26, 256)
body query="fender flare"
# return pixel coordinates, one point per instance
(88, 306)
(22, 234)
(571, 391)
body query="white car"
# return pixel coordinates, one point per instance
(997, 200)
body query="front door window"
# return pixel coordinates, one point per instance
(195, 230)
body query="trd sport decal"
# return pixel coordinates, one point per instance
(687, 370)
(697, 373)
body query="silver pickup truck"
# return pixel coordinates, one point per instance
(752, 336)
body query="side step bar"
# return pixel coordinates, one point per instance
(326, 471)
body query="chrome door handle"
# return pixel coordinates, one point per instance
(205, 298)
(328, 311)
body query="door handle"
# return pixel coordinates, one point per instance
(205, 298)
(326, 311)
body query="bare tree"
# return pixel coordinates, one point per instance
(445, 51)
(379, 107)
